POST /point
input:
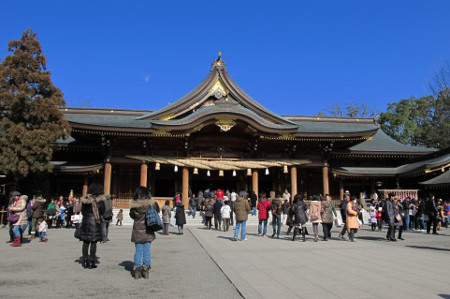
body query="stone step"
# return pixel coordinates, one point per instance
(198, 220)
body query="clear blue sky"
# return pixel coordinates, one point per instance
(294, 57)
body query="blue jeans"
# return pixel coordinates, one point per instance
(193, 211)
(18, 230)
(41, 235)
(261, 221)
(142, 255)
(407, 220)
(254, 211)
(276, 224)
(30, 229)
(243, 230)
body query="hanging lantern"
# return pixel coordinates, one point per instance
(267, 171)
(157, 166)
(220, 172)
(234, 172)
(208, 173)
(249, 172)
(175, 168)
(195, 170)
(285, 169)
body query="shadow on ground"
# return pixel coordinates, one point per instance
(371, 238)
(128, 266)
(430, 248)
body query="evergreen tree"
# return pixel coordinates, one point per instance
(408, 121)
(30, 119)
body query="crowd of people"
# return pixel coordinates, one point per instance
(92, 214)
(219, 209)
(32, 216)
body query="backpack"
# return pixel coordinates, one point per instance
(108, 215)
(152, 220)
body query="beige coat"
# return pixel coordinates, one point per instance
(352, 217)
(20, 209)
(314, 209)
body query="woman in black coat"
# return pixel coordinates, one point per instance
(180, 217)
(300, 217)
(92, 209)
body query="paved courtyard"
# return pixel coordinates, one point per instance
(207, 264)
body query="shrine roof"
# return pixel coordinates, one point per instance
(440, 180)
(425, 164)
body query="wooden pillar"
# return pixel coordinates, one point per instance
(85, 186)
(341, 189)
(185, 188)
(107, 181)
(255, 181)
(144, 170)
(373, 189)
(293, 182)
(326, 183)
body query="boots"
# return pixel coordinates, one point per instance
(85, 263)
(145, 271)
(137, 271)
(352, 236)
(92, 264)
(16, 242)
(304, 234)
(289, 230)
(295, 234)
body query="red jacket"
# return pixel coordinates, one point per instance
(263, 209)
(219, 193)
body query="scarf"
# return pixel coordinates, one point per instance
(95, 211)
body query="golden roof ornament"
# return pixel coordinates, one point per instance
(218, 61)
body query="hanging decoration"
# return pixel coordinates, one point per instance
(157, 166)
(220, 172)
(195, 170)
(175, 169)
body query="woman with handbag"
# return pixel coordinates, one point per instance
(142, 235)
(90, 230)
(352, 218)
(18, 218)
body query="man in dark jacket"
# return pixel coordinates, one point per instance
(107, 217)
(276, 217)
(389, 217)
(432, 212)
(253, 200)
(343, 209)
(217, 216)
(38, 212)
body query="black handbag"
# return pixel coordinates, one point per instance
(77, 233)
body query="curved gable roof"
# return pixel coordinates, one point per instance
(204, 90)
